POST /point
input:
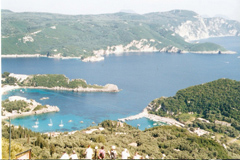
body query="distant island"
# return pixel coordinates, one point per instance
(52, 82)
(90, 37)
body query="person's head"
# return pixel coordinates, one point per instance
(89, 146)
(113, 147)
(74, 152)
(136, 153)
(125, 149)
(64, 152)
(102, 147)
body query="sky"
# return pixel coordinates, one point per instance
(227, 8)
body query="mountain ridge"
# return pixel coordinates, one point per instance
(80, 35)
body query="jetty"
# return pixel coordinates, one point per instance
(152, 117)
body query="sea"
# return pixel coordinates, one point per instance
(142, 77)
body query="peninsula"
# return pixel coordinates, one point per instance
(16, 106)
(52, 82)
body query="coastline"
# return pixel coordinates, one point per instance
(106, 88)
(32, 105)
(152, 117)
(7, 88)
(98, 55)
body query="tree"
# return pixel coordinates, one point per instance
(5, 74)
(52, 149)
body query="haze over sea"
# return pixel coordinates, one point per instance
(141, 76)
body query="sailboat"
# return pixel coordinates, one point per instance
(61, 125)
(37, 122)
(50, 124)
(35, 126)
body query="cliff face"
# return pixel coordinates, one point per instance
(207, 27)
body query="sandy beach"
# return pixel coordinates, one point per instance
(7, 88)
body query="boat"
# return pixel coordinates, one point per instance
(61, 125)
(70, 121)
(35, 126)
(93, 122)
(138, 125)
(81, 121)
(50, 124)
(37, 122)
(154, 124)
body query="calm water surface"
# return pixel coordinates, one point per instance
(141, 76)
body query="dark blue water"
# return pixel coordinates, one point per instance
(141, 76)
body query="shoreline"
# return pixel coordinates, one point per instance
(153, 117)
(106, 88)
(97, 58)
(32, 104)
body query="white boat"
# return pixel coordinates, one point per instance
(61, 125)
(37, 122)
(50, 124)
(138, 125)
(35, 126)
(154, 124)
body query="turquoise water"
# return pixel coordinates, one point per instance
(141, 76)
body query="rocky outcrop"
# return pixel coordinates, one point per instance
(202, 28)
(142, 45)
(171, 49)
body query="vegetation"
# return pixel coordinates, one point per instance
(217, 100)
(14, 105)
(5, 74)
(171, 141)
(50, 34)
(50, 81)
(15, 149)
(39, 107)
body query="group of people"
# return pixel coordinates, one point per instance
(101, 154)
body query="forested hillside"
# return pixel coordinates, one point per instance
(216, 100)
(81, 35)
(164, 141)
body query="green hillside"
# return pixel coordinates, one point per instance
(168, 141)
(216, 100)
(80, 35)
(48, 80)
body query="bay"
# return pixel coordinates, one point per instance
(141, 76)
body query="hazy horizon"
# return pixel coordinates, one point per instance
(207, 8)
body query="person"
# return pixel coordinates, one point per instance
(137, 156)
(101, 153)
(147, 157)
(65, 155)
(74, 155)
(125, 154)
(89, 152)
(113, 153)
(96, 152)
